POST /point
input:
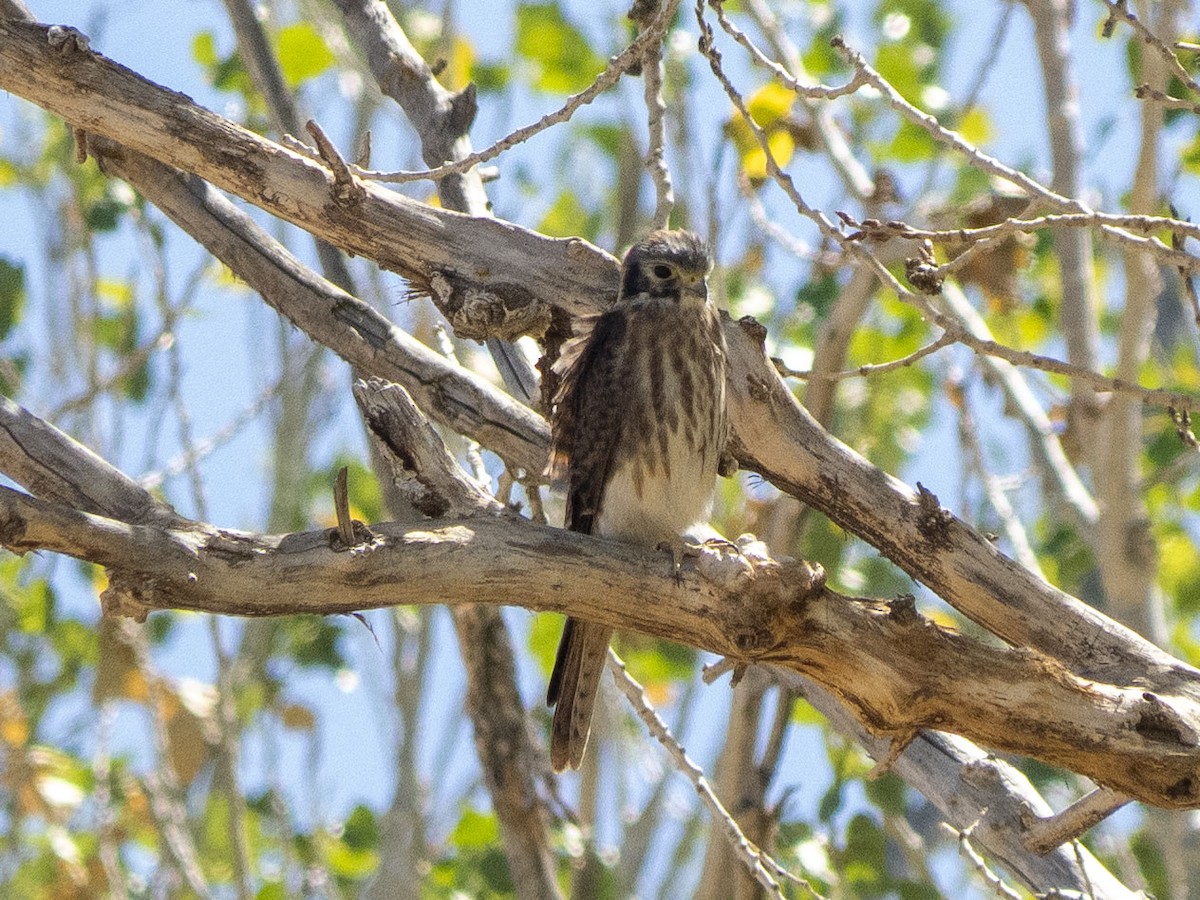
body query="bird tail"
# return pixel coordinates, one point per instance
(582, 653)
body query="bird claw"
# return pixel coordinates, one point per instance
(680, 549)
(718, 558)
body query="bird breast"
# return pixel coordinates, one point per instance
(662, 480)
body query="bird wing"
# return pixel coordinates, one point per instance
(587, 421)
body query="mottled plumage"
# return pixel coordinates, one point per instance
(638, 426)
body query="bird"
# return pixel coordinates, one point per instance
(638, 432)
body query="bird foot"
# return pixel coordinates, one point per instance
(717, 558)
(680, 548)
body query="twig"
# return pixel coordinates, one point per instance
(858, 181)
(346, 188)
(945, 340)
(1081, 816)
(874, 230)
(341, 507)
(989, 164)
(227, 764)
(652, 79)
(811, 91)
(764, 869)
(1117, 9)
(162, 785)
(129, 364)
(1146, 92)
(617, 66)
(969, 438)
(207, 446)
(827, 228)
(107, 832)
(979, 863)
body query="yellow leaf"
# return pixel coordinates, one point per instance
(458, 66)
(14, 727)
(976, 127)
(754, 163)
(770, 103)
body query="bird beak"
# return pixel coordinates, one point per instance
(695, 286)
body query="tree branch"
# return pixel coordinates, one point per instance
(897, 670)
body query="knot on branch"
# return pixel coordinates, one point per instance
(462, 110)
(875, 230)
(923, 274)
(903, 610)
(755, 330)
(770, 603)
(502, 310)
(125, 596)
(934, 521)
(1158, 721)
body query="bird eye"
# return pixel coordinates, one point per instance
(663, 272)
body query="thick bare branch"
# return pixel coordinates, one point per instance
(778, 438)
(40, 457)
(897, 670)
(455, 396)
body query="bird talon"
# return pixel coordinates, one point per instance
(680, 549)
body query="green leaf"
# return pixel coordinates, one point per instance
(865, 853)
(475, 830)
(313, 642)
(361, 831)
(302, 52)
(490, 77)
(12, 294)
(564, 60)
(1150, 860)
(544, 633)
(911, 144)
(204, 49)
(566, 218)
(33, 606)
(819, 294)
(353, 865)
(1191, 157)
(929, 23)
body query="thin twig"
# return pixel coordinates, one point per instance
(826, 227)
(954, 329)
(992, 166)
(227, 765)
(1154, 95)
(997, 498)
(1149, 224)
(107, 830)
(207, 446)
(765, 870)
(945, 340)
(1117, 9)
(858, 181)
(979, 863)
(656, 108)
(811, 91)
(617, 66)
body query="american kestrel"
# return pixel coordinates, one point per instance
(639, 427)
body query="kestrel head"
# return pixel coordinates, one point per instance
(670, 264)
